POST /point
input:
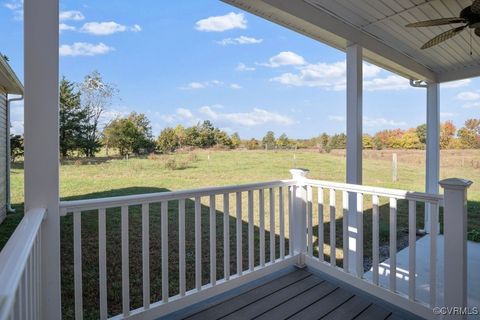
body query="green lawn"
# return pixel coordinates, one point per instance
(107, 177)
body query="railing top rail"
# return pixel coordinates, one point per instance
(383, 192)
(14, 256)
(91, 204)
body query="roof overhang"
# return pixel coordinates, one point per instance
(322, 20)
(8, 79)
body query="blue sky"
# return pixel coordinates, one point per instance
(184, 61)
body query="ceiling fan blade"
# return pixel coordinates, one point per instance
(476, 6)
(436, 22)
(443, 36)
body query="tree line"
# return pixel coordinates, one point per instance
(82, 133)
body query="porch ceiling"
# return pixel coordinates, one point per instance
(379, 27)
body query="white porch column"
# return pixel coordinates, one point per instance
(455, 250)
(41, 139)
(433, 145)
(354, 145)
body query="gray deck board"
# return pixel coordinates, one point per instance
(225, 308)
(300, 302)
(374, 312)
(323, 306)
(349, 310)
(261, 306)
(299, 295)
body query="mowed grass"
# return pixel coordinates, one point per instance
(108, 177)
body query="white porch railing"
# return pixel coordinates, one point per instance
(277, 193)
(286, 206)
(20, 276)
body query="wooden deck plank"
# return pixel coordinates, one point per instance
(224, 308)
(275, 299)
(374, 312)
(324, 306)
(300, 302)
(349, 310)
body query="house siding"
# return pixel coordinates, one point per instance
(3, 154)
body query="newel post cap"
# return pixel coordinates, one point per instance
(299, 173)
(455, 183)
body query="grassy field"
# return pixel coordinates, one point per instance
(109, 177)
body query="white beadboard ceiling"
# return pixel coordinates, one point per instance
(379, 26)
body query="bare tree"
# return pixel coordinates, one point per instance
(96, 96)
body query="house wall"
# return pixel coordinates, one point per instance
(3, 154)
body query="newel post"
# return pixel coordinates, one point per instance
(455, 233)
(299, 213)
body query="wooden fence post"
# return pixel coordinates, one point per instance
(455, 233)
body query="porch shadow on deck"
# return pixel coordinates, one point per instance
(294, 294)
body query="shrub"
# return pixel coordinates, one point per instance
(171, 164)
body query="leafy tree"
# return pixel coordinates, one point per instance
(72, 118)
(168, 140)
(222, 139)
(143, 141)
(324, 141)
(268, 142)
(283, 142)
(447, 133)
(16, 147)
(473, 124)
(181, 134)
(410, 140)
(129, 135)
(421, 132)
(206, 134)
(192, 136)
(337, 141)
(367, 142)
(253, 144)
(96, 96)
(236, 141)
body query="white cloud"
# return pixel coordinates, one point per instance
(472, 105)
(253, 118)
(456, 84)
(382, 122)
(16, 117)
(184, 113)
(66, 27)
(285, 58)
(243, 67)
(180, 115)
(332, 76)
(336, 118)
(107, 28)
(392, 82)
(16, 7)
(468, 96)
(239, 41)
(229, 21)
(71, 15)
(201, 85)
(84, 49)
(235, 86)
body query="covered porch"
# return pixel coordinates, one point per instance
(284, 209)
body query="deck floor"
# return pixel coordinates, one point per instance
(297, 295)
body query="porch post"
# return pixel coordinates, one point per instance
(41, 139)
(433, 145)
(354, 144)
(455, 254)
(299, 213)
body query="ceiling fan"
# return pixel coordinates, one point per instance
(469, 16)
